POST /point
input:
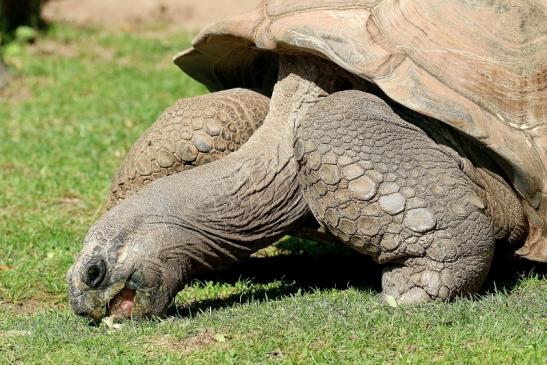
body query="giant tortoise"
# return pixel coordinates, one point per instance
(413, 131)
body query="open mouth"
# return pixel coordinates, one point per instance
(122, 304)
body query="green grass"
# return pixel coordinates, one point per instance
(78, 101)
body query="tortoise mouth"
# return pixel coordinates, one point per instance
(121, 305)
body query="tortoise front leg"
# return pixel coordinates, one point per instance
(382, 186)
(192, 132)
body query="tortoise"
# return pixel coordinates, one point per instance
(412, 131)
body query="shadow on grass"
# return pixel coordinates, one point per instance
(302, 267)
(507, 270)
(306, 266)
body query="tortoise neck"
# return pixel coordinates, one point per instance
(250, 198)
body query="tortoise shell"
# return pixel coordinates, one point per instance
(477, 65)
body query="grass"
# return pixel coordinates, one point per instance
(78, 101)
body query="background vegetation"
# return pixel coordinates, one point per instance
(18, 19)
(16, 13)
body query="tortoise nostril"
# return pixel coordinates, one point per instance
(95, 273)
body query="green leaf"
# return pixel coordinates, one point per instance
(25, 34)
(391, 301)
(220, 338)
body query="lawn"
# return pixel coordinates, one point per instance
(78, 100)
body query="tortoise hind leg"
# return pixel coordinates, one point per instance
(192, 132)
(386, 189)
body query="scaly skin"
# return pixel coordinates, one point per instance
(382, 186)
(503, 204)
(192, 132)
(180, 139)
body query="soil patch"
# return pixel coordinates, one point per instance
(28, 307)
(203, 339)
(189, 15)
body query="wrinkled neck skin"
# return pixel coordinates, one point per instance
(249, 199)
(209, 217)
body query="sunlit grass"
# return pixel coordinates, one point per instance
(77, 102)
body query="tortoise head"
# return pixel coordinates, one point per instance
(129, 265)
